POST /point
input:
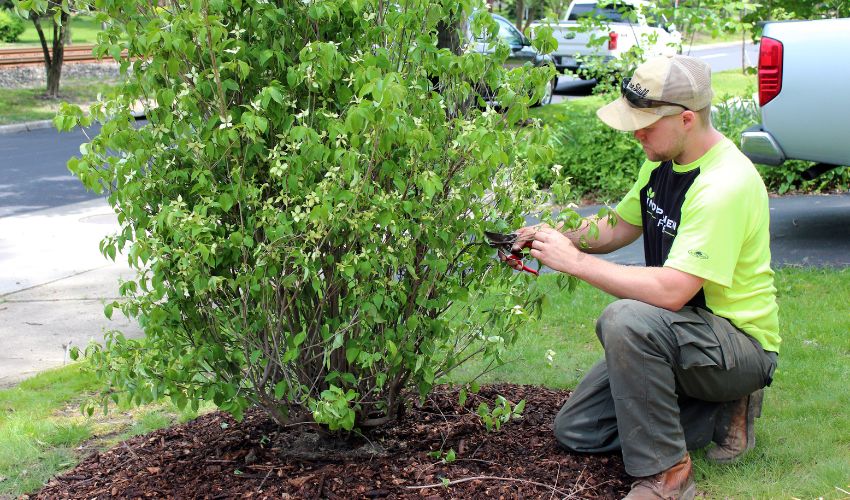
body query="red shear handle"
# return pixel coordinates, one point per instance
(525, 268)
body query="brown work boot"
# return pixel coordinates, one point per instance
(734, 431)
(675, 483)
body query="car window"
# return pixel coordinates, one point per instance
(614, 12)
(509, 34)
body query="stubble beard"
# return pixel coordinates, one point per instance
(653, 155)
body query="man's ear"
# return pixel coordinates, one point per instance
(689, 119)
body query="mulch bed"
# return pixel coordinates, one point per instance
(217, 457)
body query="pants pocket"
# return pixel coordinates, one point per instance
(698, 343)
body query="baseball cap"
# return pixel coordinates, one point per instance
(662, 86)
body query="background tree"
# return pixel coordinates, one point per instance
(58, 17)
(305, 208)
(799, 9)
(11, 26)
(524, 12)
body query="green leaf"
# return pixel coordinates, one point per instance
(323, 179)
(255, 355)
(226, 202)
(280, 389)
(265, 55)
(351, 353)
(519, 407)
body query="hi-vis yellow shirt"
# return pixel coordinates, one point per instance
(710, 218)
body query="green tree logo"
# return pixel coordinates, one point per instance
(698, 254)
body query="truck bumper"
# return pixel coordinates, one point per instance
(760, 146)
(569, 62)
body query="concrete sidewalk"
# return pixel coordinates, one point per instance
(53, 284)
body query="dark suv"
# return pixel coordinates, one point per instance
(521, 52)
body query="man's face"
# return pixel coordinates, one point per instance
(663, 140)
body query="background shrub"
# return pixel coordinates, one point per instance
(11, 26)
(600, 162)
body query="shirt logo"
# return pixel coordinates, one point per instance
(698, 254)
(667, 225)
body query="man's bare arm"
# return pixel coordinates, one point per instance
(660, 286)
(609, 238)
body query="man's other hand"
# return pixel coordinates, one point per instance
(525, 235)
(554, 250)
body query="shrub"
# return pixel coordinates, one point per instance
(599, 162)
(306, 207)
(11, 26)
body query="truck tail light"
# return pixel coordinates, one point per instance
(612, 40)
(770, 69)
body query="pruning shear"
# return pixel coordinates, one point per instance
(503, 243)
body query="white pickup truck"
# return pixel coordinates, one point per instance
(625, 25)
(804, 95)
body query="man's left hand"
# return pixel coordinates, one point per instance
(554, 250)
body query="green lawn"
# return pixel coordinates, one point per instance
(703, 38)
(21, 105)
(43, 431)
(803, 437)
(84, 30)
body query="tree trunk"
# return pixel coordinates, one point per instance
(448, 36)
(520, 11)
(52, 59)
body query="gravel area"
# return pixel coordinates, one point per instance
(34, 76)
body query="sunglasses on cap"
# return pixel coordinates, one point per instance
(638, 101)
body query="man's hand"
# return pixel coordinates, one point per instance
(554, 250)
(548, 245)
(525, 235)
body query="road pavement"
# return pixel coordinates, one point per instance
(53, 286)
(32, 170)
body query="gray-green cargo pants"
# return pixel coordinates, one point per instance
(656, 393)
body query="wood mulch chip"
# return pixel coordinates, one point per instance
(216, 457)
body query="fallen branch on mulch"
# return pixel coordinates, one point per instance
(489, 478)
